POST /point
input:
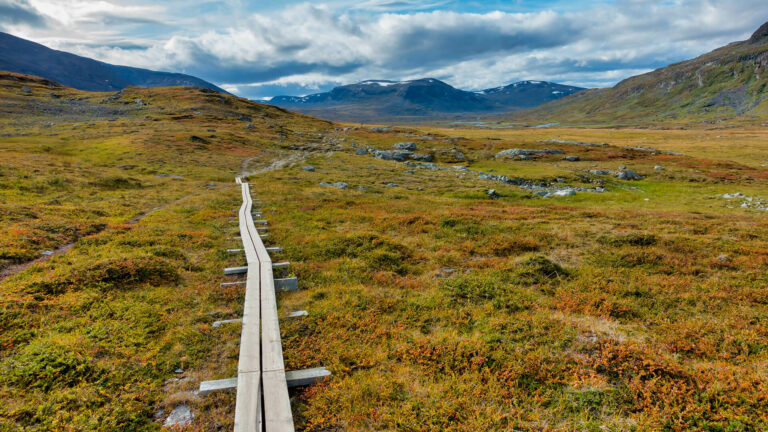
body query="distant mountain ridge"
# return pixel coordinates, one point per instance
(426, 98)
(729, 82)
(27, 57)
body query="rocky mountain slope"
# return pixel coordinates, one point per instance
(26, 57)
(727, 83)
(426, 98)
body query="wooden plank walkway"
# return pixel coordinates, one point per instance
(262, 391)
(262, 403)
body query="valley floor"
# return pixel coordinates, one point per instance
(436, 306)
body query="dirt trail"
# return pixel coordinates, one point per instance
(271, 161)
(16, 268)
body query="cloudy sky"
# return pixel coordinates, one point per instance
(263, 48)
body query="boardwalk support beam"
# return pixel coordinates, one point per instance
(287, 284)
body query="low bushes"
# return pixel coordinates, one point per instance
(110, 273)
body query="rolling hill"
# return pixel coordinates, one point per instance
(728, 83)
(426, 98)
(26, 57)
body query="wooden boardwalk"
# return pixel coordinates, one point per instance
(262, 391)
(262, 403)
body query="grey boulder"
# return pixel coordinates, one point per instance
(628, 174)
(180, 416)
(406, 146)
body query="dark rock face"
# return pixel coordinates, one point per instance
(760, 34)
(26, 57)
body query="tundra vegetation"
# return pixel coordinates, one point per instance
(436, 305)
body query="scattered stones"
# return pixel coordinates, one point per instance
(628, 175)
(461, 168)
(180, 416)
(525, 152)
(406, 146)
(602, 172)
(622, 167)
(26, 90)
(392, 184)
(325, 184)
(736, 195)
(748, 202)
(658, 168)
(394, 155)
(492, 194)
(361, 151)
(410, 172)
(428, 166)
(723, 258)
(653, 150)
(564, 193)
(309, 168)
(245, 118)
(47, 253)
(422, 157)
(571, 158)
(210, 184)
(362, 188)
(113, 98)
(250, 126)
(341, 185)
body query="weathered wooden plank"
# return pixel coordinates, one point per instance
(229, 321)
(305, 377)
(296, 314)
(229, 284)
(277, 404)
(282, 264)
(287, 284)
(271, 346)
(248, 403)
(235, 270)
(207, 387)
(274, 249)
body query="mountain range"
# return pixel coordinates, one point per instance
(27, 57)
(729, 83)
(420, 99)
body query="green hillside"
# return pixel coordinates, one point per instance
(730, 83)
